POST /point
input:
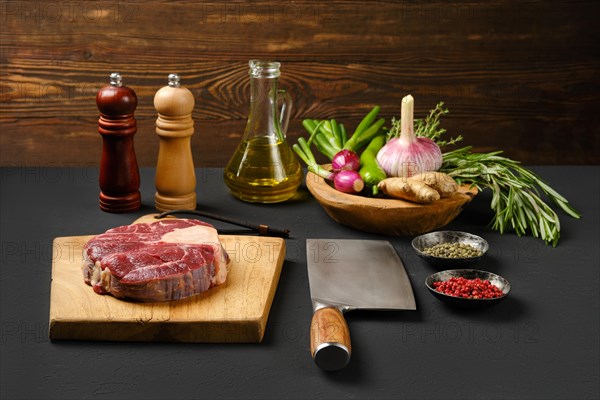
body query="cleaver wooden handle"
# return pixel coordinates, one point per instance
(330, 339)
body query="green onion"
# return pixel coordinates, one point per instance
(330, 137)
(337, 135)
(343, 134)
(303, 150)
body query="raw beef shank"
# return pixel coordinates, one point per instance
(170, 259)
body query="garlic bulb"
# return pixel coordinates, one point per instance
(408, 154)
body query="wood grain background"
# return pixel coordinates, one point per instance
(522, 76)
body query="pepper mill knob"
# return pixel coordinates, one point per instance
(175, 176)
(119, 173)
(115, 79)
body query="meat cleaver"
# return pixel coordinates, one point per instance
(346, 275)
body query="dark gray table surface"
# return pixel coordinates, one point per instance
(541, 342)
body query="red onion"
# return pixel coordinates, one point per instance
(408, 154)
(348, 182)
(345, 160)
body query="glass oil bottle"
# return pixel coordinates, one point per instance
(264, 169)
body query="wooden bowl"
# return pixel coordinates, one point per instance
(387, 216)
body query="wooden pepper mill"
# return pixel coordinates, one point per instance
(175, 176)
(119, 173)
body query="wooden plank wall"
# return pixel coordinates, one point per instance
(522, 76)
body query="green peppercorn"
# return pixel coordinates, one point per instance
(452, 250)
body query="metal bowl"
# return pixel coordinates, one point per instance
(442, 276)
(422, 242)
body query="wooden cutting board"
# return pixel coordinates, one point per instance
(234, 312)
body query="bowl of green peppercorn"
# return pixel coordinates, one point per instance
(450, 248)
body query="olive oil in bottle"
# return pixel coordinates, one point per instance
(264, 168)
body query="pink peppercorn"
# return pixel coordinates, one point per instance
(468, 288)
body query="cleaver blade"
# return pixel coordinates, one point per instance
(345, 275)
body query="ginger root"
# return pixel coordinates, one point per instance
(443, 183)
(408, 189)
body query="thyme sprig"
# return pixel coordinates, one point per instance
(428, 127)
(516, 191)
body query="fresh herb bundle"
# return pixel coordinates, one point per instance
(516, 190)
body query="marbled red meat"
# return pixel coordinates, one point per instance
(161, 261)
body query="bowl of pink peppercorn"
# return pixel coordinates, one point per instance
(471, 288)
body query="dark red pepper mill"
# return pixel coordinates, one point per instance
(119, 173)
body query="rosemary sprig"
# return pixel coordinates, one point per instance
(516, 190)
